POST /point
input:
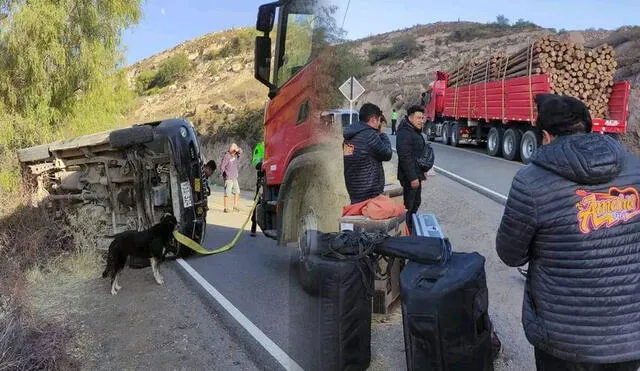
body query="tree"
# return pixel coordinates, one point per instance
(56, 54)
(502, 20)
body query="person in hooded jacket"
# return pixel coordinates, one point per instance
(573, 214)
(365, 147)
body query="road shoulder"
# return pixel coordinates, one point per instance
(145, 326)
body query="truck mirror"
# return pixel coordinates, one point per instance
(263, 60)
(266, 16)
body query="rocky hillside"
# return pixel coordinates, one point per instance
(210, 80)
(403, 62)
(215, 86)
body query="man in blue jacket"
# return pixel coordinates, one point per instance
(573, 214)
(365, 147)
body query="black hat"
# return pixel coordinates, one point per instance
(562, 115)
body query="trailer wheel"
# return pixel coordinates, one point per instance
(430, 129)
(528, 145)
(511, 144)
(494, 141)
(445, 134)
(455, 134)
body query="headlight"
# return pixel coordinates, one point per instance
(183, 131)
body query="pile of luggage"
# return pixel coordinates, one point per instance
(444, 299)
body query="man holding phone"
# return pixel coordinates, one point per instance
(365, 147)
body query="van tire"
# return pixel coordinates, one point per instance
(132, 136)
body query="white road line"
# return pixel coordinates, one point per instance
(283, 358)
(498, 197)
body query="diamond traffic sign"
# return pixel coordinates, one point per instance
(351, 89)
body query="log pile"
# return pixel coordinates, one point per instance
(574, 70)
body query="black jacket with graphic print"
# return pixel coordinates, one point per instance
(574, 215)
(363, 171)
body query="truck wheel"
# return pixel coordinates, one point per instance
(494, 141)
(307, 245)
(316, 215)
(445, 134)
(131, 136)
(529, 143)
(511, 144)
(430, 132)
(455, 134)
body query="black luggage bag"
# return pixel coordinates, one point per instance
(341, 276)
(445, 315)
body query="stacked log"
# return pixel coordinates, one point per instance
(574, 70)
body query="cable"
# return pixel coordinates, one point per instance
(345, 15)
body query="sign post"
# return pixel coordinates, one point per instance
(352, 90)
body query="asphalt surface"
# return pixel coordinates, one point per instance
(255, 276)
(473, 164)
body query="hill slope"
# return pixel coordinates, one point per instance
(219, 91)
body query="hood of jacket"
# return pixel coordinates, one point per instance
(583, 158)
(355, 128)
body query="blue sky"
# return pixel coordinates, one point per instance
(167, 23)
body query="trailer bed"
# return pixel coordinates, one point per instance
(512, 100)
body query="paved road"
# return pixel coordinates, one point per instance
(474, 165)
(255, 275)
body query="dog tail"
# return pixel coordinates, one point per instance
(110, 260)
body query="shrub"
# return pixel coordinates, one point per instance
(143, 81)
(171, 71)
(401, 48)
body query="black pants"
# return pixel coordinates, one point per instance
(547, 362)
(255, 209)
(412, 200)
(393, 127)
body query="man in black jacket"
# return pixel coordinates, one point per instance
(573, 214)
(410, 145)
(365, 147)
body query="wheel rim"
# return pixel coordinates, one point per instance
(528, 146)
(445, 134)
(508, 144)
(454, 136)
(492, 142)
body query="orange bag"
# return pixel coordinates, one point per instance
(377, 208)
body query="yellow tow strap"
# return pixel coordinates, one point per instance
(193, 245)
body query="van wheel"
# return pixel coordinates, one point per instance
(511, 144)
(494, 142)
(128, 137)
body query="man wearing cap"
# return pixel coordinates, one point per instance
(573, 214)
(365, 147)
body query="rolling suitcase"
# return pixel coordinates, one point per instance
(445, 315)
(341, 275)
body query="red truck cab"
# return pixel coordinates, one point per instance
(294, 135)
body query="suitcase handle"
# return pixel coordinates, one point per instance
(430, 276)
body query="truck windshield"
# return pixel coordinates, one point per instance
(297, 38)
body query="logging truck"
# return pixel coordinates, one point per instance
(492, 101)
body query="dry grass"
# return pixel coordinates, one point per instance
(40, 257)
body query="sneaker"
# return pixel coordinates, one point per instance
(496, 345)
(236, 209)
(226, 210)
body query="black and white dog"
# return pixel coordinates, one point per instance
(143, 244)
